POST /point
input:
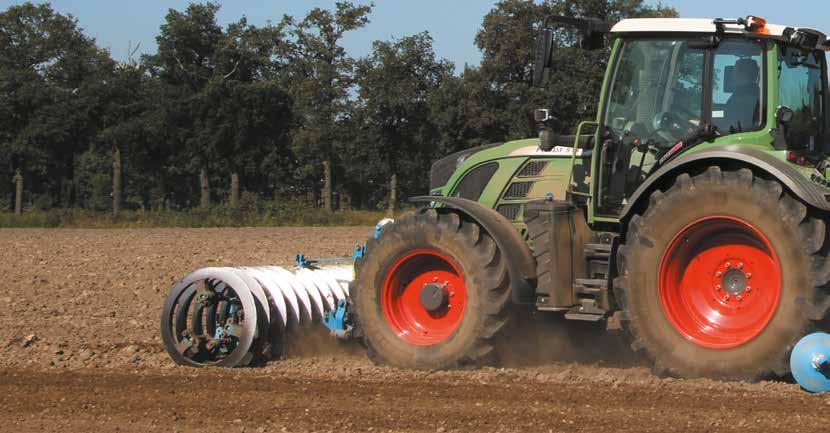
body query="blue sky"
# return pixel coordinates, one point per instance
(115, 24)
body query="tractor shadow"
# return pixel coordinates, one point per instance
(546, 339)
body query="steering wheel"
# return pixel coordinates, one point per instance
(671, 126)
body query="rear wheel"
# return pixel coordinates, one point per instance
(721, 276)
(431, 292)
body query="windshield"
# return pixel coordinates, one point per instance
(657, 91)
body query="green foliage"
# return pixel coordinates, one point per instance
(268, 103)
(320, 77)
(397, 135)
(52, 77)
(92, 181)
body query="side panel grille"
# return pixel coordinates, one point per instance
(533, 168)
(475, 181)
(510, 211)
(518, 190)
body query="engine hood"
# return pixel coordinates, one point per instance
(443, 169)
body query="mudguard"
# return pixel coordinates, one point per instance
(809, 192)
(520, 263)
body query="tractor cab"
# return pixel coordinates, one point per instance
(676, 86)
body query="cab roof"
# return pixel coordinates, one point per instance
(698, 25)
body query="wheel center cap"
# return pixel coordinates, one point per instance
(734, 281)
(433, 297)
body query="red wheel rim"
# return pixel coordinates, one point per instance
(720, 282)
(402, 304)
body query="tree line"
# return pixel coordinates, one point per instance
(223, 114)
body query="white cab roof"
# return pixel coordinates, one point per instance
(685, 25)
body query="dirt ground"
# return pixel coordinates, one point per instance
(80, 352)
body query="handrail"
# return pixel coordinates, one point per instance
(583, 124)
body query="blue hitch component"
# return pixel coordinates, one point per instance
(301, 261)
(304, 262)
(336, 320)
(810, 362)
(359, 251)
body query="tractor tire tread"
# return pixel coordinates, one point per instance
(491, 281)
(813, 236)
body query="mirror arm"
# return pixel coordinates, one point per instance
(783, 117)
(779, 138)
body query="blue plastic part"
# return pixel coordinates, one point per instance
(301, 261)
(336, 320)
(359, 252)
(810, 362)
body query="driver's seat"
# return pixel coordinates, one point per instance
(742, 108)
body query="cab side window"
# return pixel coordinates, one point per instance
(738, 86)
(801, 90)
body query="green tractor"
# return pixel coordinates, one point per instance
(692, 212)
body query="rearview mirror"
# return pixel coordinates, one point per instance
(544, 51)
(784, 115)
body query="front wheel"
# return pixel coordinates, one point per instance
(431, 292)
(717, 277)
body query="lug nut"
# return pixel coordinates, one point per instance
(740, 265)
(749, 275)
(718, 273)
(748, 289)
(739, 298)
(726, 298)
(718, 287)
(728, 265)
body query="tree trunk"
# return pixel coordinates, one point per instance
(18, 193)
(234, 190)
(116, 180)
(327, 202)
(204, 185)
(346, 202)
(393, 195)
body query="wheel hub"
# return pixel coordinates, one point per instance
(434, 297)
(734, 282)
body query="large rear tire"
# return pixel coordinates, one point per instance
(721, 276)
(431, 293)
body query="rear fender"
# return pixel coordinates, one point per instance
(520, 263)
(728, 156)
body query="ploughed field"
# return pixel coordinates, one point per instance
(80, 351)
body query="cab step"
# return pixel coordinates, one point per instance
(587, 311)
